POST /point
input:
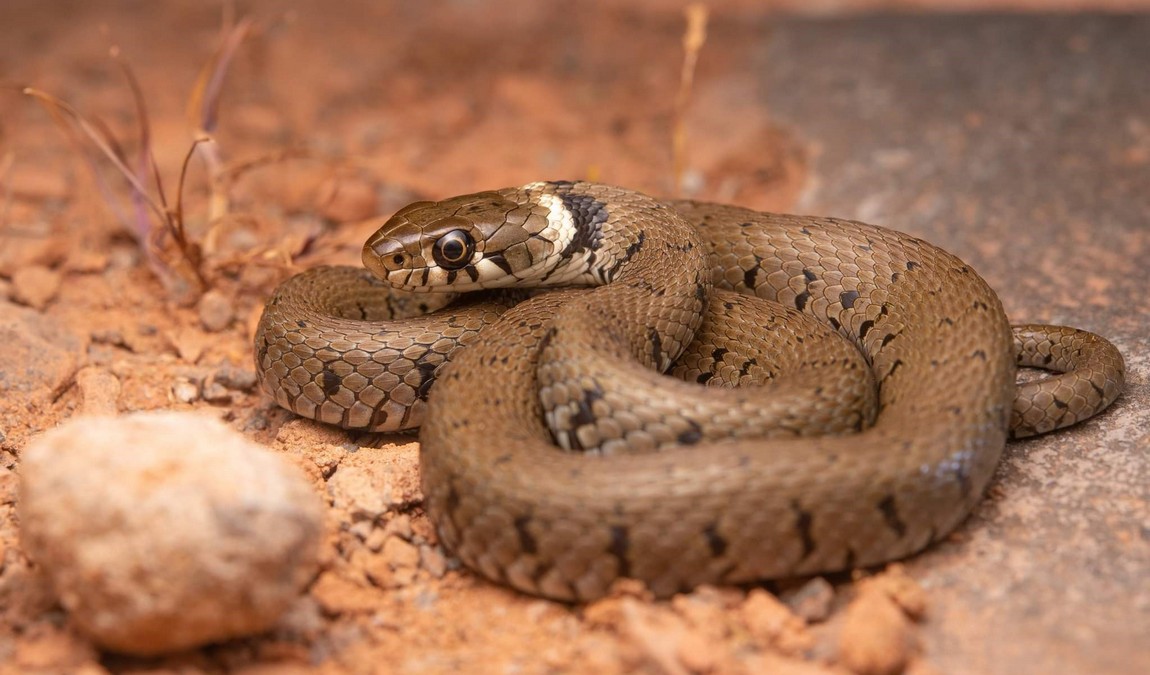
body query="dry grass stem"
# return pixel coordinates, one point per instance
(693, 40)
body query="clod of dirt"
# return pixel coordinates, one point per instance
(164, 531)
(877, 636)
(35, 286)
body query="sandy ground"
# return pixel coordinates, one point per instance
(332, 115)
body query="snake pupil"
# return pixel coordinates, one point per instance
(453, 250)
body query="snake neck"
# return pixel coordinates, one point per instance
(648, 262)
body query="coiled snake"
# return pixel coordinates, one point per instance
(675, 485)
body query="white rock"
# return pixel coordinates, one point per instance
(164, 531)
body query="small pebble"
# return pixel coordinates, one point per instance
(35, 286)
(216, 311)
(812, 601)
(99, 391)
(214, 392)
(185, 391)
(166, 531)
(237, 379)
(431, 558)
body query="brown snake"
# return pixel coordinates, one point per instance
(849, 478)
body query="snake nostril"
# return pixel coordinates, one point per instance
(397, 258)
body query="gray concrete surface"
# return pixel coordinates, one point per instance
(1023, 145)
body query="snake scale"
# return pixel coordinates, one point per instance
(886, 373)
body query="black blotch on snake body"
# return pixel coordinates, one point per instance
(718, 353)
(747, 365)
(426, 379)
(585, 415)
(749, 277)
(692, 435)
(547, 337)
(301, 323)
(656, 346)
(801, 300)
(526, 540)
(893, 367)
(864, 328)
(635, 246)
(810, 276)
(500, 261)
(619, 548)
(1059, 403)
(979, 353)
(912, 265)
(715, 540)
(588, 215)
(329, 381)
(703, 378)
(890, 516)
(847, 298)
(803, 522)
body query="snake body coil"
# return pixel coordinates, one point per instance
(676, 486)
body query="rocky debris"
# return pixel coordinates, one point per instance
(164, 531)
(39, 356)
(710, 630)
(35, 286)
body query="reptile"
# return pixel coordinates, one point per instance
(555, 454)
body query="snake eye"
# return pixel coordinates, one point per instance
(453, 250)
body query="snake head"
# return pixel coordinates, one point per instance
(482, 240)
